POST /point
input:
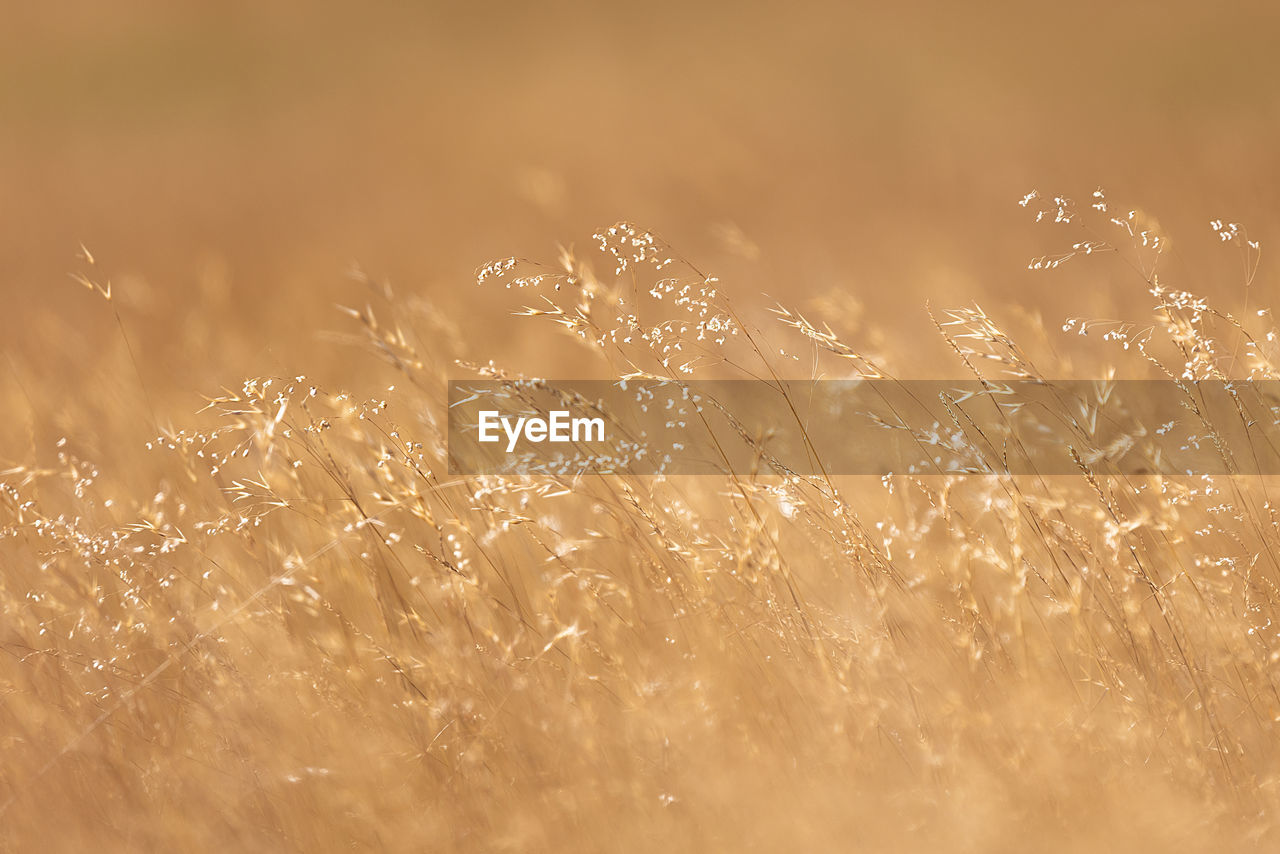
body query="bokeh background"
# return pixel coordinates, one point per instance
(227, 162)
(232, 160)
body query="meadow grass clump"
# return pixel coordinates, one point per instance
(310, 635)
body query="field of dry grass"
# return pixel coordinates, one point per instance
(247, 605)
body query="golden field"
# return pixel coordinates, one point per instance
(246, 605)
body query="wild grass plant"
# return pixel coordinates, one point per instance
(309, 635)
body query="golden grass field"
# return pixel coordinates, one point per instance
(247, 607)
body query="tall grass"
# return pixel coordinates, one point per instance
(307, 635)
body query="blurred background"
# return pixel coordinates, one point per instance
(227, 162)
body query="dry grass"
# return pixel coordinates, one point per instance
(285, 626)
